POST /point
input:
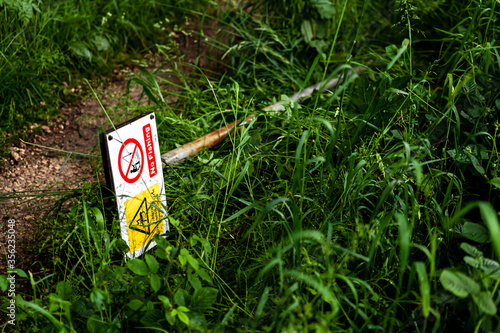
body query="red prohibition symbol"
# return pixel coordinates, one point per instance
(132, 166)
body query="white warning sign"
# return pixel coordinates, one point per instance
(130, 155)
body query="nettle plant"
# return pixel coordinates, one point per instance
(177, 286)
(476, 283)
(484, 270)
(95, 290)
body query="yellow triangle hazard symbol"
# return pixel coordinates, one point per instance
(144, 217)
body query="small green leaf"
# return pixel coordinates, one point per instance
(81, 50)
(152, 263)
(193, 262)
(205, 298)
(197, 321)
(459, 284)
(101, 43)
(472, 261)
(319, 45)
(155, 282)
(121, 245)
(174, 222)
(181, 297)
(476, 232)
(170, 252)
(183, 256)
(170, 317)
(4, 284)
(138, 266)
(461, 157)
(54, 304)
(490, 267)
(399, 53)
(204, 275)
(206, 244)
(160, 253)
(470, 85)
(151, 317)
(471, 250)
(64, 290)
(98, 297)
(183, 317)
(21, 273)
(475, 162)
(475, 112)
(325, 8)
(495, 182)
(194, 281)
(307, 31)
(391, 50)
(160, 241)
(135, 304)
(166, 301)
(484, 302)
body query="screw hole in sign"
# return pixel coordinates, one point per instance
(133, 163)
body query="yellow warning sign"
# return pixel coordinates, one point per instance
(144, 217)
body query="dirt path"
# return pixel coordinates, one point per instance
(35, 177)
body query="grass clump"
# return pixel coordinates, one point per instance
(48, 46)
(372, 207)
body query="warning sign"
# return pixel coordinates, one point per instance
(130, 154)
(144, 214)
(130, 160)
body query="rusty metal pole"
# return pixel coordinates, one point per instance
(178, 155)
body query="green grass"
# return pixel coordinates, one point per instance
(372, 207)
(46, 47)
